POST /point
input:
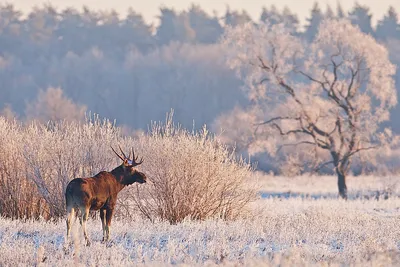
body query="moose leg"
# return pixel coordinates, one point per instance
(109, 214)
(103, 222)
(70, 217)
(83, 220)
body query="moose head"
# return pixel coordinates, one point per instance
(130, 173)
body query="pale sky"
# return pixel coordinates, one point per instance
(150, 8)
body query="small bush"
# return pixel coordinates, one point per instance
(18, 196)
(192, 176)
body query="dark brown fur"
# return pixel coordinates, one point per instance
(100, 193)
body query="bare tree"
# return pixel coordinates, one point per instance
(323, 101)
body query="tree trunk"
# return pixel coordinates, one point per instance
(342, 185)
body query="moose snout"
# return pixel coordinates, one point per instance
(143, 178)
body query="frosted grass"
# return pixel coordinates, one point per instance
(289, 232)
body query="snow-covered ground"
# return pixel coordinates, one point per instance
(296, 230)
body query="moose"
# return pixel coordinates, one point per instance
(100, 193)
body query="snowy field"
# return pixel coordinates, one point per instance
(297, 222)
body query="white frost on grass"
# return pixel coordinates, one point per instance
(301, 231)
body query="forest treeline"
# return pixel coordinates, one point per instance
(62, 63)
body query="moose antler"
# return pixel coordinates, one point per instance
(122, 152)
(119, 156)
(133, 162)
(134, 159)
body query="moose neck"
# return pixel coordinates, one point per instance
(118, 173)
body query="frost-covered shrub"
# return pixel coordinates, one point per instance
(18, 197)
(192, 175)
(58, 152)
(38, 160)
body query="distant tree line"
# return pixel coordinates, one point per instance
(54, 61)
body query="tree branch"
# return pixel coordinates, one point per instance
(288, 132)
(312, 79)
(349, 89)
(323, 165)
(362, 149)
(263, 66)
(296, 144)
(275, 119)
(344, 159)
